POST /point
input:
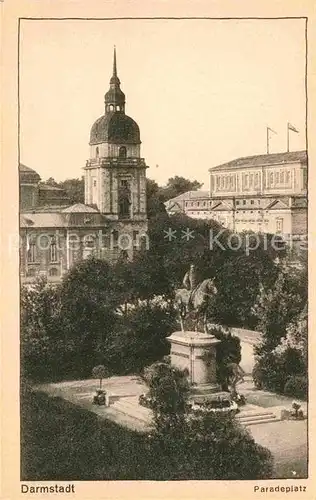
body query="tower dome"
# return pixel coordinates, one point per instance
(114, 126)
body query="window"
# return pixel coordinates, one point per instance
(122, 152)
(259, 202)
(53, 251)
(124, 183)
(53, 272)
(115, 236)
(304, 178)
(244, 202)
(88, 241)
(287, 177)
(279, 225)
(237, 202)
(31, 254)
(97, 152)
(277, 177)
(111, 107)
(251, 180)
(256, 180)
(246, 180)
(271, 178)
(282, 177)
(94, 183)
(252, 202)
(118, 108)
(31, 272)
(198, 204)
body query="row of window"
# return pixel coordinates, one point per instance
(205, 203)
(225, 181)
(89, 243)
(253, 180)
(112, 107)
(197, 203)
(244, 202)
(122, 152)
(277, 178)
(31, 253)
(51, 272)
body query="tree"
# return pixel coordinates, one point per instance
(51, 182)
(278, 305)
(155, 203)
(74, 189)
(178, 185)
(100, 373)
(90, 298)
(46, 354)
(139, 338)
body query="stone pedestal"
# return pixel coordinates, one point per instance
(196, 352)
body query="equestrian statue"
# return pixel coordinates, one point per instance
(195, 299)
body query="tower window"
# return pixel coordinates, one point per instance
(97, 152)
(122, 152)
(118, 108)
(111, 107)
(53, 271)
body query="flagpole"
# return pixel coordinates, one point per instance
(288, 137)
(267, 140)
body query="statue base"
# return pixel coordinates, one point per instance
(196, 353)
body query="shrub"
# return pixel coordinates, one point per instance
(273, 369)
(228, 351)
(44, 358)
(168, 393)
(203, 446)
(297, 386)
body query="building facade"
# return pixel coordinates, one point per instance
(264, 193)
(111, 224)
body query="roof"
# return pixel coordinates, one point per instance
(47, 187)
(28, 174)
(80, 208)
(190, 195)
(262, 160)
(37, 220)
(25, 168)
(42, 219)
(116, 128)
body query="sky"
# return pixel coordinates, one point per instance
(202, 91)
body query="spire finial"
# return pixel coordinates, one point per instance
(114, 63)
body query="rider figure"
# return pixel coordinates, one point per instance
(190, 282)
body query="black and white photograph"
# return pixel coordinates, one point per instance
(163, 251)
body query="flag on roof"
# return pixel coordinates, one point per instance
(291, 127)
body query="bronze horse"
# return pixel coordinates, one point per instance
(195, 302)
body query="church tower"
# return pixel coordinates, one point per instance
(115, 174)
